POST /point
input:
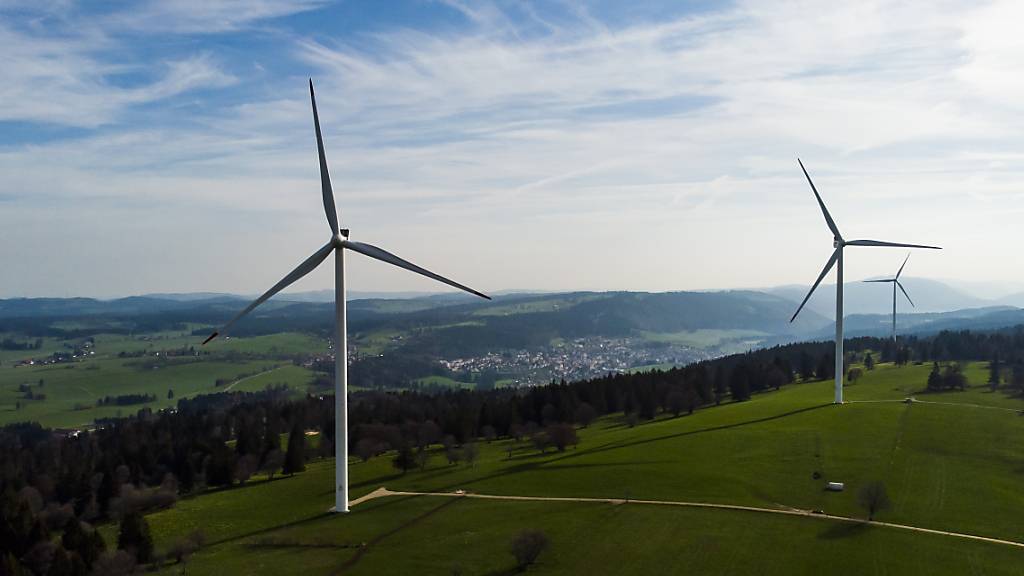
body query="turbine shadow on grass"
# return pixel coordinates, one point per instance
(269, 529)
(377, 539)
(538, 463)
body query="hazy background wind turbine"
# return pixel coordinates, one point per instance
(338, 243)
(838, 242)
(896, 282)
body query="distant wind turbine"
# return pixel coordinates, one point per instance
(837, 258)
(895, 280)
(338, 243)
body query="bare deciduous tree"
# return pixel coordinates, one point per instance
(585, 414)
(874, 498)
(470, 452)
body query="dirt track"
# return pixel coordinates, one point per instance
(384, 492)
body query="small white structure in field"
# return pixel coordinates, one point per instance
(835, 486)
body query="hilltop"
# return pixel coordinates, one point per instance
(773, 452)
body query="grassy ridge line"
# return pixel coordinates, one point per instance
(384, 492)
(945, 465)
(716, 455)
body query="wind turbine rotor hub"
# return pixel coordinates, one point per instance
(339, 238)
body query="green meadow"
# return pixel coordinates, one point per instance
(72, 390)
(950, 462)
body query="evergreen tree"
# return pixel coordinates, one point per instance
(826, 369)
(87, 545)
(869, 361)
(60, 564)
(806, 365)
(1017, 375)
(404, 459)
(134, 537)
(935, 378)
(271, 437)
(993, 372)
(739, 384)
(9, 565)
(220, 466)
(721, 383)
(295, 458)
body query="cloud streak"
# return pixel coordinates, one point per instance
(539, 149)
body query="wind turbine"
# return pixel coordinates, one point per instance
(338, 244)
(838, 242)
(896, 282)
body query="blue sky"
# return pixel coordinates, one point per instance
(167, 146)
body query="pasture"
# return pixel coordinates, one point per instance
(952, 466)
(73, 389)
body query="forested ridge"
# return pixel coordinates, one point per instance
(56, 485)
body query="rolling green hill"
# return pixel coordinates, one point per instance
(67, 394)
(949, 461)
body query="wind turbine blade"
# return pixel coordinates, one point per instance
(889, 244)
(305, 268)
(828, 217)
(828, 266)
(886, 280)
(325, 175)
(385, 256)
(898, 283)
(904, 264)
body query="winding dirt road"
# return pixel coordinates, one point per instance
(384, 492)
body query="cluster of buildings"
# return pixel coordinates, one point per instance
(75, 354)
(575, 359)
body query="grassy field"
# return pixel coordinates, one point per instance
(444, 381)
(72, 390)
(50, 345)
(953, 466)
(703, 338)
(534, 306)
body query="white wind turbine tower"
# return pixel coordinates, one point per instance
(338, 243)
(896, 282)
(838, 242)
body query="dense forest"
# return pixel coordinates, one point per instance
(54, 487)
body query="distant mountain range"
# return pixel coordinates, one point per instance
(875, 298)
(986, 318)
(515, 319)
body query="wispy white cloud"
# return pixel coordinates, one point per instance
(657, 155)
(72, 80)
(205, 16)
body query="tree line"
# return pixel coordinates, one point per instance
(53, 483)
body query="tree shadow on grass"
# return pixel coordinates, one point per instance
(530, 466)
(219, 489)
(841, 530)
(378, 481)
(506, 572)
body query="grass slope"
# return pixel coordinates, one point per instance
(949, 467)
(73, 389)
